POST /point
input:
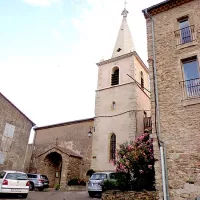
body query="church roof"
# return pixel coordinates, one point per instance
(64, 124)
(61, 149)
(134, 53)
(124, 43)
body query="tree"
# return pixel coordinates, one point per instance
(136, 159)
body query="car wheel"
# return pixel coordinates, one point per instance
(91, 194)
(31, 187)
(41, 189)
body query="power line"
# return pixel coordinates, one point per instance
(138, 83)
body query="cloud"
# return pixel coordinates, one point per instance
(41, 3)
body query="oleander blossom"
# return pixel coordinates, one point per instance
(137, 158)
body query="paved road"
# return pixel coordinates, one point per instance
(58, 196)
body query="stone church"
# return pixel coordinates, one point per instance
(64, 151)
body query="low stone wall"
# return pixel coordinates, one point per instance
(75, 188)
(113, 195)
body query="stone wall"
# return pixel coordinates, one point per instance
(69, 136)
(74, 167)
(15, 129)
(29, 153)
(179, 118)
(112, 195)
(48, 168)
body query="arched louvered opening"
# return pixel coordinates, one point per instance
(142, 80)
(115, 76)
(113, 147)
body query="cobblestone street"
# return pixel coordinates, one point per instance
(82, 195)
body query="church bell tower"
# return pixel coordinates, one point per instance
(120, 102)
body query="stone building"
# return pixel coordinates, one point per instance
(15, 130)
(122, 100)
(175, 66)
(62, 151)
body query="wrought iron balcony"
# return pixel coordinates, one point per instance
(185, 35)
(147, 123)
(190, 88)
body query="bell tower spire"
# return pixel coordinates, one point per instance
(124, 43)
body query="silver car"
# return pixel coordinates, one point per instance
(38, 181)
(96, 181)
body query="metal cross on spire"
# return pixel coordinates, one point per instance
(125, 4)
(125, 12)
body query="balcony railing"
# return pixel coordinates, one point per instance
(191, 88)
(185, 35)
(147, 123)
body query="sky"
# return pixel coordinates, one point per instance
(49, 50)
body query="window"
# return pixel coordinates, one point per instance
(190, 68)
(31, 176)
(113, 147)
(44, 177)
(191, 81)
(115, 76)
(185, 30)
(119, 49)
(113, 176)
(99, 176)
(16, 176)
(142, 80)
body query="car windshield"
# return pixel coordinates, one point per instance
(113, 176)
(16, 176)
(44, 177)
(32, 176)
(2, 174)
(98, 176)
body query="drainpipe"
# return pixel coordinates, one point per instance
(161, 143)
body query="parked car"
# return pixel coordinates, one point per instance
(96, 181)
(38, 181)
(15, 183)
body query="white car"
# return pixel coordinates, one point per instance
(15, 183)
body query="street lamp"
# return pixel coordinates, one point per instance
(90, 131)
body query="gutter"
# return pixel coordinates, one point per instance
(155, 6)
(161, 143)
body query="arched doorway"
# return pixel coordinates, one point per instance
(53, 168)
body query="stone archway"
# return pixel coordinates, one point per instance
(53, 168)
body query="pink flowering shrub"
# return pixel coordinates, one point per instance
(136, 158)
